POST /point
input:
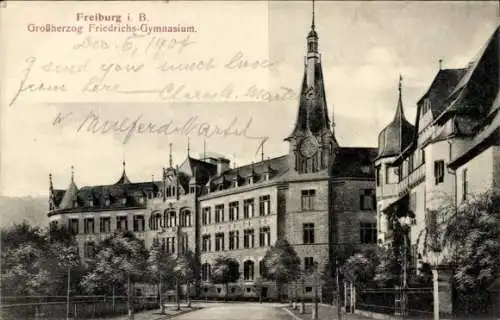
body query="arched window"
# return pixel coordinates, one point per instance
(248, 270)
(165, 218)
(169, 218)
(187, 218)
(205, 272)
(155, 221)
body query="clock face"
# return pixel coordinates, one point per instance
(308, 147)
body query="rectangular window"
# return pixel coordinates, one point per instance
(121, 223)
(248, 238)
(105, 224)
(464, 184)
(307, 199)
(88, 249)
(308, 264)
(438, 171)
(205, 272)
(206, 247)
(219, 242)
(219, 213)
(308, 233)
(264, 205)
(73, 226)
(248, 208)
(206, 215)
(411, 162)
(368, 232)
(234, 240)
(170, 245)
(265, 237)
(88, 225)
(233, 211)
(139, 223)
(367, 200)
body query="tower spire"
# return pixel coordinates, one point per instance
(72, 174)
(399, 108)
(170, 155)
(51, 186)
(188, 147)
(313, 25)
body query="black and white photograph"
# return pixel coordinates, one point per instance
(291, 160)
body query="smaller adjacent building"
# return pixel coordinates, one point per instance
(451, 152)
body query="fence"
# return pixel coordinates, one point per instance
(409, 303)
(81, 307)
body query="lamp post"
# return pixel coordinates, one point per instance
(435, 277)
(68, 293)
(302, 304)
(435, 291)
(129, 304)
(315, 274)
(405, 223)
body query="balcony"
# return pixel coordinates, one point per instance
(411, 180)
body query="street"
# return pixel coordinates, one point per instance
(238, 311)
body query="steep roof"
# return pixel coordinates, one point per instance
(477, 90)
(397, 135)
(354, 162)
(275, 166)
(70, 196)
(443, 84)
(313, 110)
(123, 179)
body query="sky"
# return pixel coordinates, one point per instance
(364, 47)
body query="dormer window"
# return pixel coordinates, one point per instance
(124, 201)
(75, 204)
(235, 181)
(91, 203)
(426, 106)
(141, 200)
(250, 180)
(107, 202)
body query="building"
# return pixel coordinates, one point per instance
(452, 151)
(319, 196)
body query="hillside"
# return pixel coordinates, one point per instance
(17, 209)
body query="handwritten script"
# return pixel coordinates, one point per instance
(149, 67)
(128, 127)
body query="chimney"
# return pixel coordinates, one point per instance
(222, 165)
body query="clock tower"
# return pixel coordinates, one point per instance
(312, 142)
